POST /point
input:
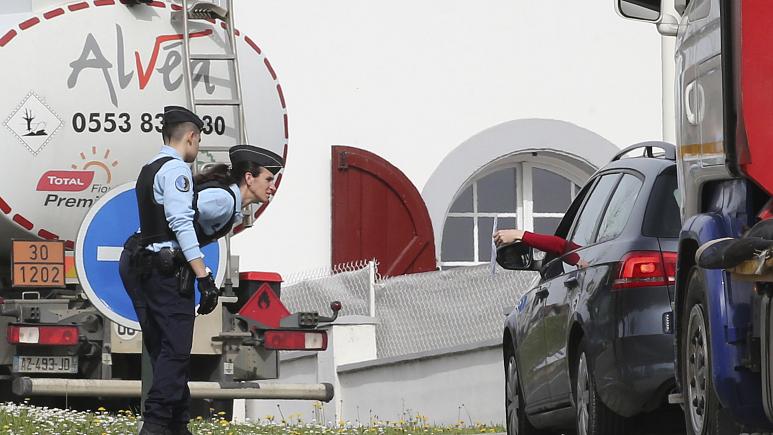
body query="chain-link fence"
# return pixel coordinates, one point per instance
(313, 290)
(419, 312)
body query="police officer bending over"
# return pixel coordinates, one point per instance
(221, 192)
(158, 266)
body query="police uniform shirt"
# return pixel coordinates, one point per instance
(173, 188)
(217, 209)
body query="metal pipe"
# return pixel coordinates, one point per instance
(26, 386)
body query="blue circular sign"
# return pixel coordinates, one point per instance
(98, 249)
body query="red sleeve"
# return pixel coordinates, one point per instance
(551, 244)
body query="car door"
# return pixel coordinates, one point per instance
(531, 347)
(567, 273)
(531, 322)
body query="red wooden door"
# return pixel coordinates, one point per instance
(378, 213)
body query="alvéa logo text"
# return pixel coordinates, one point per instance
(165, 58)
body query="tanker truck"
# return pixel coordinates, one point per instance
(718, 71)
(84, 84)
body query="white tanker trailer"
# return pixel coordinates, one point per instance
(83, 87)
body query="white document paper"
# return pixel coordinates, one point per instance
(494, 249)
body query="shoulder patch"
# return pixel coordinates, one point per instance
(182, 183)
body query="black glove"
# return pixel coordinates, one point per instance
(209, 293)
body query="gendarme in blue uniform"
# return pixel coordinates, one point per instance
(173, 189)
(218, 208)
(157, 276)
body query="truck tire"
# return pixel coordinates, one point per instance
(593, 417)
(517, 421)
(701, 405)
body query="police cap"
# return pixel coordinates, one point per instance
(263, 157)
(177, 114)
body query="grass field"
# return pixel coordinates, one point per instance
(24, 419)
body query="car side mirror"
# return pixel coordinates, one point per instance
(517, 256)
(642, 10)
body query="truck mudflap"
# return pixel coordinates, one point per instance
(26, 386)
(766, 353)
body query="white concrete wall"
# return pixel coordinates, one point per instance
(412, 80)
(467, 384)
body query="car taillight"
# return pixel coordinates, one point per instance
(295, 340)
(48, 335)
(646, 269)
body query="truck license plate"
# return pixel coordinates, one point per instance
(45, 364)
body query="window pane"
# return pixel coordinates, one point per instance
(662, 217)
(546, 225)
(457, 240)
(550, 191)
(594, 206)
(496, 192)
(486, 230)
(576, 190)
(463, 203)
(619, 209)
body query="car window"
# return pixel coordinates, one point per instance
(662, 218)
(585, 225)
(619, 208)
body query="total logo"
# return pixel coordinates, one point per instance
(80, 179)
(65, 181)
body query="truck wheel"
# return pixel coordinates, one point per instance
(593, 417)
(701, 406)
(517, 422)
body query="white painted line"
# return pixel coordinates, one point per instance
(109, 253)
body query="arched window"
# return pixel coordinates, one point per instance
(526, 191)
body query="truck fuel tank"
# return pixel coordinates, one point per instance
(84, 87)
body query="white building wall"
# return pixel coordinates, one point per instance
(411, 81)
(466, 386)
(461, 384)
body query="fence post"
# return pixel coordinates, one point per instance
(372, 288)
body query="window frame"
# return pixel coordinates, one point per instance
(617, 171)
(524, 214)
(641, 180)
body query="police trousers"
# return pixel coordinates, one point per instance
(166, 315)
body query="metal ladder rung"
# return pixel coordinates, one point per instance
(215, 102)
(227, 56)
(214, 148)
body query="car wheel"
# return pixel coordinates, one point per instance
(701, 406)
(593, 417)
(517, 422)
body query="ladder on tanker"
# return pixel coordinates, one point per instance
(193, 10)
(203, 11)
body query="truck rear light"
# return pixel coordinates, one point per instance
(47, 335)
(295, 340)
(646, 269)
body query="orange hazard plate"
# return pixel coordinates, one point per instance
(38, 263)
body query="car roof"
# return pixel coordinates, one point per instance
(650, 163)
(647, 166)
